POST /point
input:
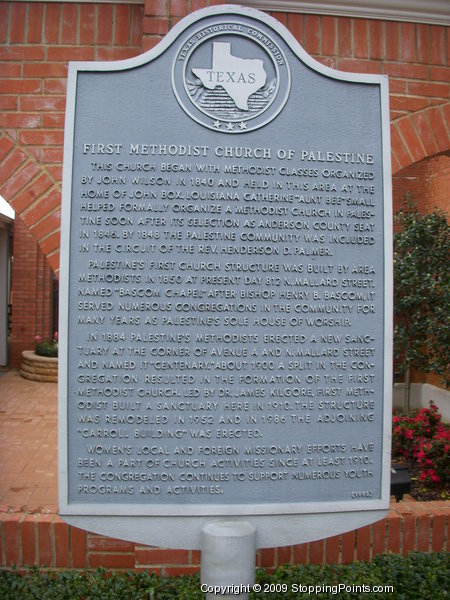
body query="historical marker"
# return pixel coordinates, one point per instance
(226, 288)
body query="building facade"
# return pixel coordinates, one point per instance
(38, 39)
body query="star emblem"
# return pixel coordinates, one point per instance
(216, 124)
(230, 126)
(243, 125)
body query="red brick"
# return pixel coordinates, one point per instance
(439, 129)
(328, 36)
(407, 71)
(6, 145)
(46, 226)
(53, 262)
(53, 120)
(35, 19)
(281, 17)
(50, 243)
(284, 555)
(44, 69)
(425, 133)
(29, 194)
(137, 19)
(161, 556)
(149, 42)
(10, 70)
(154, 25)
(11, 163)
(87, 24)
(296, 27)
(157, 8)
(51, 25)
(111, 561)
(116, 53)
(411, 139)
(3, 21)
(316, 552)
(360, 38)
(267, 557)
(65, 53)
(379, 537)
(45, 541)
(438, 45)
(69, 23)
(344, 37)
(394, 532)
(20, 179)
(360, 66)
(104, 23)
(439, 90)
(78, 548)
(376, 39)
(20, 86)
(197, 4)
(407, 42)
(332, 545)
(107, 544)
(363, 543)
(12, 539)
(8, 102)
(122, 25)
(392, 41)
(46, 205)
(399, 147)
(407, 103)
(28, 540)
(17, 23)
(178, 8)
(409, 534)
(23, 53)
(19, 120)
(42, 137)
(61, 534)
(423, 43)
(423, 533)
(312, 34)
(55, 86)
(348, 547)
(300, 553)
(439, 73)
(42, 103)
(438, 533)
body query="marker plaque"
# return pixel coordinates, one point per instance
(226, 287)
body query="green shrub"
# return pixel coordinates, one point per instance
(417, 576)
(46, 348)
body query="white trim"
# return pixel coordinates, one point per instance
(434, 12)
(7, 213)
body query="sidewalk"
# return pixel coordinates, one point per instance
(28, 444)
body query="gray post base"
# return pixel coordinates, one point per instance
(228, 559)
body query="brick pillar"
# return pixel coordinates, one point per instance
(32, 287)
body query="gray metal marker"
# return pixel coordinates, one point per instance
(226, 293)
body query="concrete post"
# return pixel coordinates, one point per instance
(228, 559)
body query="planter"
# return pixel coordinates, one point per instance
(38, 368)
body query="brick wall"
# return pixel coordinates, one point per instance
(32, 285)
(45, 540)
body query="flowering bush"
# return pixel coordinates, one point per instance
(46, 348)
(425, 440)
